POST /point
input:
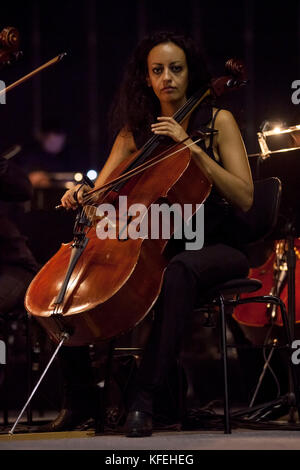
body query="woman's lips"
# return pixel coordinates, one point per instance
(168, 89)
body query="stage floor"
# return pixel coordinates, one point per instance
(240, 439)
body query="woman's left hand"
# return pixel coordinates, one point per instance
(169, 127)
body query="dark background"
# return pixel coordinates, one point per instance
(99, 37)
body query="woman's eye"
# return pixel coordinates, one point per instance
(156, 70)
(176, 68)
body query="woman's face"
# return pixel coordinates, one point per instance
(168, 72)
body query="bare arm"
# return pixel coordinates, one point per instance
(122, 148)
(233, 180)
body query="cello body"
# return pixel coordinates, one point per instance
(115, 282)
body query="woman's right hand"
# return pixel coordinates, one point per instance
(68, 200)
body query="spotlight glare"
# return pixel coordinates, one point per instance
(92, 174)
(277, 130)
(78, 177)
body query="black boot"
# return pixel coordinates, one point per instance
(79, 405)
(139, 419)
(138, 424)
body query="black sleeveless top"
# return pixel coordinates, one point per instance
(216, 208)
(223, 223)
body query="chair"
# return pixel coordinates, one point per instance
(256, 226)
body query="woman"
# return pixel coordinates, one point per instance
(166, 69)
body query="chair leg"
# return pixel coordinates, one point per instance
(227, 429)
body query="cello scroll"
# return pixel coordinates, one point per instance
(9, 46)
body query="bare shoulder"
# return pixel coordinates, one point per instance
(228, 129)
(225, 118)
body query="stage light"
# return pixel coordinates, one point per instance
(277, 130)
(92, 174)
(272, 127)
(78, 177)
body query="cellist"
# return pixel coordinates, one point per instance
(165, 70)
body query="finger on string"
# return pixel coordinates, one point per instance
(167, 118)
(163, 127)
(162, 123)
(161, 132)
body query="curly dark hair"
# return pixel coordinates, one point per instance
(136, 106)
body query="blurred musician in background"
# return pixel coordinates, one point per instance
(47, 154)
(17, 264)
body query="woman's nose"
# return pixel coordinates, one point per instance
(166, 75)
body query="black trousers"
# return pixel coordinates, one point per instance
(188, 276)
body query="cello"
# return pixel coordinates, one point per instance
(93, 290)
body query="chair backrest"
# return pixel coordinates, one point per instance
(259, 222)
